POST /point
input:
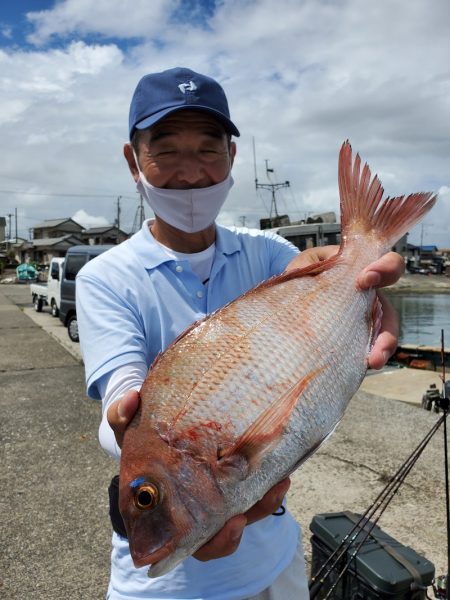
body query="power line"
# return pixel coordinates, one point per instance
(57, 194)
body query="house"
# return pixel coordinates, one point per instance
(53, 228)
(41, 251)
(53, 237)
(425, 260)
(109, 234)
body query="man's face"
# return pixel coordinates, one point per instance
(187, 149)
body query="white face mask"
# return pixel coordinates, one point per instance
(189, 210)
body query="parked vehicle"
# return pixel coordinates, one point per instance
(76, 257)
(49, 294)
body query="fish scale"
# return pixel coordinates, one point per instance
(245, 396)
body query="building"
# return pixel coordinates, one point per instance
(110, 234)
(312, 234)
(426, 260)
(2, 229)
(320, 232)
(54, 228)
(53, 237)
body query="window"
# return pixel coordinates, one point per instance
(55, 271)
(73, 265)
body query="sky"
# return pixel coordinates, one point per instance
(301, 76)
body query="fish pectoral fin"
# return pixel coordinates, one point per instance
(234, 467)
(269, 426)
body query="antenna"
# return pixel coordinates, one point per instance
(274, 217)
(254, 163)
(139, 217)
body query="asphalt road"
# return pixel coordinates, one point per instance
(55, 528)
(55, 532)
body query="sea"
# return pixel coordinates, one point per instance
(422, 317)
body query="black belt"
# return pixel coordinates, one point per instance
(114, 513)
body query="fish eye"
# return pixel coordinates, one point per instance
(146, 496)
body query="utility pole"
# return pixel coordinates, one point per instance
(15, 211)
(8, 241)
(139, 217)
(118, 212)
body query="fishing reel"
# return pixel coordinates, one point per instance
(440, 587)
(435, 400)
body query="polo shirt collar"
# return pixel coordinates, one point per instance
(152, 255)
(147, 248)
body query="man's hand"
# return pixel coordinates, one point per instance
(121, 412)
(383, 272)
(227, 540)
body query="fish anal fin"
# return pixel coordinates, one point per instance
(268, 427)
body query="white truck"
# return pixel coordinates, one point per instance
(49, 294)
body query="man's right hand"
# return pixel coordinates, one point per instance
(121, 412)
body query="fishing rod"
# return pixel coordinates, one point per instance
(382, 502)
(444, 404)
(364, 526)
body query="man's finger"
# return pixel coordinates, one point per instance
(121, 412)
(269, 503)
(386, 343)
(225, 542)
(383, 272)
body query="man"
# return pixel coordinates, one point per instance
(135, 299)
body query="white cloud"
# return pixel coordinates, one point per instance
(88, 221)
(111, 18)
(301, 77)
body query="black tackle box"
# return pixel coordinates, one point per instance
(382, 568)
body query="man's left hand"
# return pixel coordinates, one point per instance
(383, 272)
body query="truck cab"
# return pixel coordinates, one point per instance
(76, 257)
(49, 293)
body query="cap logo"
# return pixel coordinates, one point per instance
(187, 87)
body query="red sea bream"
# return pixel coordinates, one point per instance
(245, 396)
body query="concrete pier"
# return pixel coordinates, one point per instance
(54, 476)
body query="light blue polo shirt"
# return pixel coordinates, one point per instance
(132, 302)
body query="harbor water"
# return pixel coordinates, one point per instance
(422, 317)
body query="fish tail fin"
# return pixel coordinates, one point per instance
(363, 209)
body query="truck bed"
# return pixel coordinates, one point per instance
(39, 288)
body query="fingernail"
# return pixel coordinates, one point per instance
(236, 534)
(373, 278)
(121, 411)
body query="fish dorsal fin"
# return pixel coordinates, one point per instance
(269, 426)
(310, 270)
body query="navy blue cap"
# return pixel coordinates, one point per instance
(159, 94)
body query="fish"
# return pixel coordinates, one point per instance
(245, 396)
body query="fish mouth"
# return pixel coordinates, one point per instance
(142, 560)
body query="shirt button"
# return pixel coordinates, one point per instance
(199, 294)
(178, 268)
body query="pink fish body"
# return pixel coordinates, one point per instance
(245, 396)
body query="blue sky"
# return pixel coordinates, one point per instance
(301, 77)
